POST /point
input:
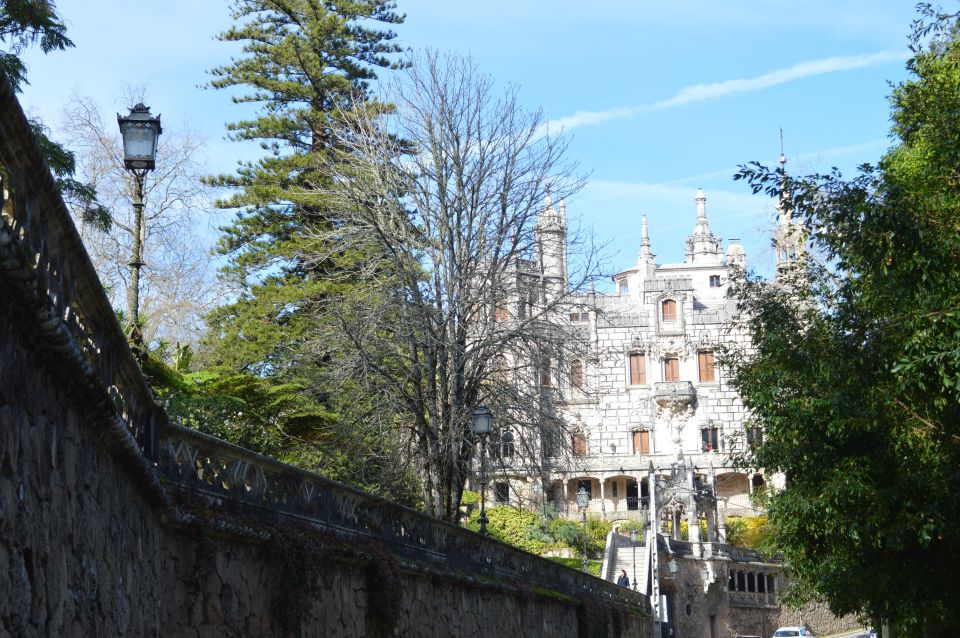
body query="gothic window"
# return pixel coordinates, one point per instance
(638, 369)
(579, 440)
(501, 493)
(671, 369)
(707, 367)
(714, 281)
(668, 310)
(710, 438)
(576, 374)
(641, 442)
(544, 372)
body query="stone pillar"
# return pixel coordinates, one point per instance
(721, 524)
(603, 496)
(750, 482)
(693, 525)
(675, 515)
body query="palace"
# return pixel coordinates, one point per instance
(649, 393)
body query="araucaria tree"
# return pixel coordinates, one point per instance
(466, 295)
(303, 60)
(855, 376)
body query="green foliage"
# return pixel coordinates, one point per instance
(856, 370)
(470, 498)
(754, 532)
(24, 23)
(593, 566)
(532, 532)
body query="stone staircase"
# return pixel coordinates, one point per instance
(622, 555)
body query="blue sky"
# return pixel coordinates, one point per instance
(659, 98)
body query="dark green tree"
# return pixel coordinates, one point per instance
(855, 369)
(24, 23)
(303, 61)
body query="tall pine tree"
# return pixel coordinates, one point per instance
(303, 60)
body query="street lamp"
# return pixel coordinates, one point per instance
(482, 426)
(583, 500)
(140, 132)
(633, 544)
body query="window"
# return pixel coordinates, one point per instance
(579, 316)
(638, 369)
(758, 481)
(501, 493)
(754, 435)
(579, 444)
(668, 310)
(624, 287)
(714, 281)
(641, 442)
(671, 369)
(711, 439)
(576, 374)
(501, 314)
(613, 487)
(544, 372)
(707, 368)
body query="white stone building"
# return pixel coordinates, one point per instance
(649, 389)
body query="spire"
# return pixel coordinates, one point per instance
(549, 219)
(789, 238)
(702, 245)
(646, 256)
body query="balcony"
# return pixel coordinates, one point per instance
(763, 600)
(674, 394)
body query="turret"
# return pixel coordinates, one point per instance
(646, 260)
(702, 246)
(551, 235)
(789, 239)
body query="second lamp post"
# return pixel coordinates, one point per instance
(482, 426)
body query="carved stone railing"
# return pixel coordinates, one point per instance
(219, 470)
(51, 287)
(674, 393)
(766, 600)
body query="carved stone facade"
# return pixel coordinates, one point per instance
(650, 389)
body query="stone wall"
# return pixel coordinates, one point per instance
(101, 534)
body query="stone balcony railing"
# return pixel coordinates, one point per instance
(765, 600)
(674, 393)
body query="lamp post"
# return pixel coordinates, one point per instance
(583, 500)
(140, 132)
(633, 544)
(482, 426)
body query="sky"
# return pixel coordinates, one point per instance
(659, 98)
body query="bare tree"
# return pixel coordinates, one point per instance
(445, 215)
(176, 286)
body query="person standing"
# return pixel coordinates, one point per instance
(624, 580)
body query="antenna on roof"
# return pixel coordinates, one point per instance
(783, 158)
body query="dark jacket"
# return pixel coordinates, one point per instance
(623, 581)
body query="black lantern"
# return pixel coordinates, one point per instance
(482, 420)
(140, 132)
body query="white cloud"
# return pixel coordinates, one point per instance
(702, 92)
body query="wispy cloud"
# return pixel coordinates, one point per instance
(702, 92)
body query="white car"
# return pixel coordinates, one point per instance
(792, 631)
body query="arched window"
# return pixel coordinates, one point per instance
(576, 374)
(668, 310)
